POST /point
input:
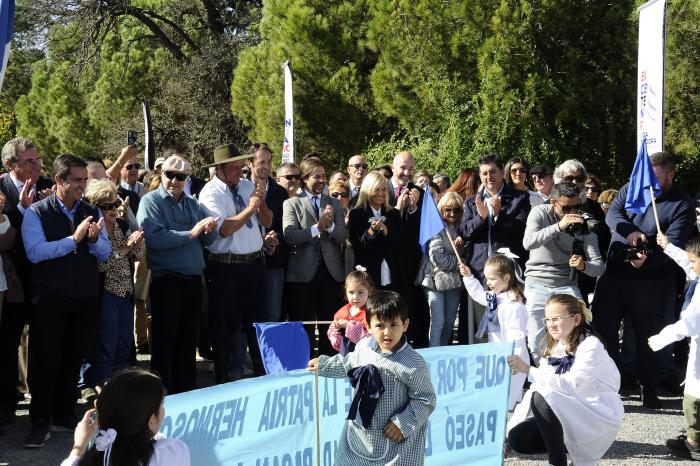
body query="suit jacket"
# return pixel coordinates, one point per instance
(274, 199)
(506, 232)
(297, 218)
(133, 197)
(370, 251)
(17, 254)
(411, 229)
(196, 186)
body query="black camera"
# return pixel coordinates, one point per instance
(589, 225)
(630, 253)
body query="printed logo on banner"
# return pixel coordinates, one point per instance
(270, 421)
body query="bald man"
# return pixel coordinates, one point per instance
(357, 170)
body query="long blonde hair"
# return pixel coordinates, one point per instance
(371, 182)
(573, 306)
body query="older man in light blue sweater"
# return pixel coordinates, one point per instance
(549, 269)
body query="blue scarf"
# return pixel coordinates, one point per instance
(368, 387)
(490, 320)
(563, 364)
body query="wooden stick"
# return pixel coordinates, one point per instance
(459, 259)
(318, 421)
(317, 322)
(653, 205)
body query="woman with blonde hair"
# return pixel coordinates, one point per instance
(374, 231)
(439, 271)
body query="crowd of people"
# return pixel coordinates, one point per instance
(102, 260)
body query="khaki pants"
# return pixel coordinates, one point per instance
(691, 413)
(142, 319)
(22, 361)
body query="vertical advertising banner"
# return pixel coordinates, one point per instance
(650, 75)
(271, 420)
(288, 146)
(7, 19)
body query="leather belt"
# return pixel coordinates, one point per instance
(230, 258)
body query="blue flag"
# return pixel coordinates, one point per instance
(430, 220)
(7, 19)
(643, 176)
(284, 346)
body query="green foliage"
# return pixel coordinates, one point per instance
(7, 123)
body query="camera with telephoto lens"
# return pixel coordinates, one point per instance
(589, 225)
(630, 253)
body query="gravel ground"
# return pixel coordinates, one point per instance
(641, 441)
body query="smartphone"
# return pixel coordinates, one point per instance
(131, 138)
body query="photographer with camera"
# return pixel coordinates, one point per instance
(561, 246)
(641, 283)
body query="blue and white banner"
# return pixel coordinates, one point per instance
(650, 75)
(288, 146)
(7, 20)
(271, 420)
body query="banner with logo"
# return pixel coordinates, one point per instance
(288, 146)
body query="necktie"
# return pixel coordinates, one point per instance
(563, 364)
(397, 192)
(314, 201)
(490, 208)
(490, 320)
(368, 387)
(240, 205)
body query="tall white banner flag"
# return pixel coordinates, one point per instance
(288, 146)
(650, 75)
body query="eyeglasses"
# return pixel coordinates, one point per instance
(578, 179)
(112, 205)
(339, 194)
(36, 161)
(133, 166)
(358, 166)
(178, 176)
(516, 170)
(568, 209)
(291, 177)
(593, 189)
(452, 210)
(541, 176)
(555, 320)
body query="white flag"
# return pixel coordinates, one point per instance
(650, 75)
(288, 146)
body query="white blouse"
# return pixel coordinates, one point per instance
(166, 452)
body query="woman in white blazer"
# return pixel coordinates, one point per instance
(573, 403)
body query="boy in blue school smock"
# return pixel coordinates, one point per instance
(392, 392)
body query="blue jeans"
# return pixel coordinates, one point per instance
(443, 312)
(114, 338)
(536, 295)
(274, 285)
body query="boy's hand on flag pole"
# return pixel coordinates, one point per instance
(313, 365)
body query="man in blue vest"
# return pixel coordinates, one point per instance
(64, 240)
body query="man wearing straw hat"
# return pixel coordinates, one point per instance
(644, 286)
(236, 266)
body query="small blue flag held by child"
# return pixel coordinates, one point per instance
(643, 177)
(284, 346)
(430, 220)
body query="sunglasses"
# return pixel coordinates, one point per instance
(291, 177)
(178, 176)
(358, 166)
(133, 166)
(593, 189)
(113, 205)
(578, 179)
(540, 176)
(516, 170)
(259, 145)
(451, 210)
(339, 194)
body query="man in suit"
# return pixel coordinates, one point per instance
(314, 228)
(407, 198)
(275, 249)
(494, 218)
(357, 170)
(22, 186)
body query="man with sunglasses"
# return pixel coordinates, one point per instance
(289, 178)
(175, 228)
(548, 269)
(543, 181)
(357, 170)
(236, 266)
(125, 171)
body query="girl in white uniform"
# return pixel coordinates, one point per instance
(505, 318)
(688, 445)
(572, 404)
(127, 420)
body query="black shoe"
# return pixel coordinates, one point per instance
(650, 398)
(206, 353)
(38, 435)
(65, 423)
(144, 349)
(7, 415)
(628, 382)
(671, 385)
(680, 447)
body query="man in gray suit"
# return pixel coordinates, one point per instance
(314, 229)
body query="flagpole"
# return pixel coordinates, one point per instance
(454, 248)
(318, 421)
(653, 205)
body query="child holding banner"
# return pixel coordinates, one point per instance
(127, 421)
(393, 395)
(573, 403)
(686, 445)
(349, 325)
(505, 318)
